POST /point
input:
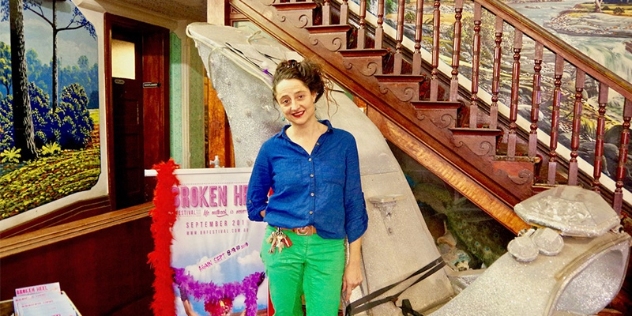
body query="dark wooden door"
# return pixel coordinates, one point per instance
(138, 112)
(128, 141)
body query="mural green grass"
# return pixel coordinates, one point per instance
(47, 179)
(94, 115)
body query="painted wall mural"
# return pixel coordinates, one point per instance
(49, 104)
(601, 29)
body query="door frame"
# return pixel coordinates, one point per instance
(155, 68)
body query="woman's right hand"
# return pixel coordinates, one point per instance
(263, 213)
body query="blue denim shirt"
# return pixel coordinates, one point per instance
(322, 189)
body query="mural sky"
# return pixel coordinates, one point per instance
(71, 45)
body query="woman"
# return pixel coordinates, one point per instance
(305, 184)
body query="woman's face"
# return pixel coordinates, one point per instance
(296, 101)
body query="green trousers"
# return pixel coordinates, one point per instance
(312, 266)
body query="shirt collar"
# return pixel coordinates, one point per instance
(283, 133)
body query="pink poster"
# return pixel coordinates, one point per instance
(215, 251)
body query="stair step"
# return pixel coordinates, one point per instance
(431, 105)
(299, 14)
(363, 53)
(294, 6)
(521, 172)
(466, 131)
(541, 187)
(442, 114)
(481, 141)
(319, 29)
(404, 87)
(333, 37)
(533, 160)
(404, 78)
(367, 61)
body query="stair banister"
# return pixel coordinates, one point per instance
(563, 52)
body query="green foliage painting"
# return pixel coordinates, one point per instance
(49, 145)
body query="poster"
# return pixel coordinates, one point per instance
(215, 250)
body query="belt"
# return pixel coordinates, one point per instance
(303, 231)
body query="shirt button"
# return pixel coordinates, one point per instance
(312, 194)
(317, 144)
(311, 212)
(310, 159)
(311, 175)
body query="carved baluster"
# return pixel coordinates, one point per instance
(456, 49)
(476, 63)
(399, 37)
(379, 31)
(515, 90)
(536, 95)
(623, 157)
(362, 27)
(601, 130)
(577, 120)
(498, 38)
(326, 13)
(434, 84)
(344, 13)
(555, 117)
(419, 19)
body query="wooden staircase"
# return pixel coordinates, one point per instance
(447, 126)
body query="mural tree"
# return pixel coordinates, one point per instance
(76, 21)
(598, 4)
(37, 71)
(44, 121)
(6, 118)
(74, 118)
(22, 118)
(5, 67)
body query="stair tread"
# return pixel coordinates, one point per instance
(401, 78)
(515, 158)
(328, 28)
(479, 131)
(366, 52)
(291, 6)
(426, 105)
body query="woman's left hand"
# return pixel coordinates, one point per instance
(351, 279)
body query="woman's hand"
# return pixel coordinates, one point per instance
(263, 213)
(353, 271)
(351, 279)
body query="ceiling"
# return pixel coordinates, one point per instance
(191, 10)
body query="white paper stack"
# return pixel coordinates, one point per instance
(43, 300)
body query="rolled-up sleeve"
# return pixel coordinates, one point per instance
(356, 219)
(259, 186)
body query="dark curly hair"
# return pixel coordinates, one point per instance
(309, 72)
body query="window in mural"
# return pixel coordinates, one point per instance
(49, 104)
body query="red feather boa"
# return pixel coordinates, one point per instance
(163, 217)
